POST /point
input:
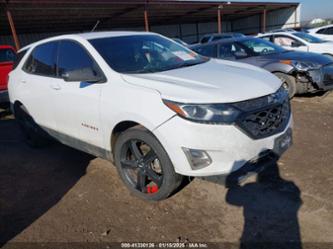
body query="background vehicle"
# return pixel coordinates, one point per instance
(289, 30)
(300, 72)
(215, 37)
(7, 58)
(154, 107)
(300, 41)
(325, 32)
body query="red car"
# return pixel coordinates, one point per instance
(7, 59)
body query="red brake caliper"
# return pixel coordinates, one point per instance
(152, 189)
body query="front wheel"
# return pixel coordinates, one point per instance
(288, 82)
(144, 165)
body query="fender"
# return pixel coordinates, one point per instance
(279, 67)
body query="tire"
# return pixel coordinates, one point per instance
(289, 82)
(33, 134)
(144, 166)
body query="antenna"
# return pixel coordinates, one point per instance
(96, 25)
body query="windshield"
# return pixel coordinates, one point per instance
(248, 48)
(309, 38)
(7, 55)
(144, 53)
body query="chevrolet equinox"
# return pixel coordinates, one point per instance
(156, 109)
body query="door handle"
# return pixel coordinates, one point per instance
(23, 81)
(55, 86)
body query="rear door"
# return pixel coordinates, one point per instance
(36, 83)
(77, 103)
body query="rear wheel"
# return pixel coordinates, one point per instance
(144, 165)
(33, 134)
(288, 82)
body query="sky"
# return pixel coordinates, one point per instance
(310, 8)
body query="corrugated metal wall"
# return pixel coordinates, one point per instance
(192, 32)
(286, 18)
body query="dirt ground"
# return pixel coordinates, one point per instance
(57, 194)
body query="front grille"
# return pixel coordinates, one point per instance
(267, 121)
(328, 75)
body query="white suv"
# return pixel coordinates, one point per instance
(300, 41)
(325, 32)
(154, 107)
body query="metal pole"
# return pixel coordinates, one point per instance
(219, 19)
(263, 25)
(12, 27)
(295, 25)
(146, 20)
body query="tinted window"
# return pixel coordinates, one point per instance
(7, 55)
(209, 50)
(72, 56)
(329, 31)
(222, 37)
(42, 60)
(205, 39)
(267, 38)
(321, 31)
(247, 48)
(20, 56)
(309, 38)
(227, 51)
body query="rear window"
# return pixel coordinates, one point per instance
(7, 55)
(205, 39)
(42, 60)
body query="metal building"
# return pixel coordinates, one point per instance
(25, 21)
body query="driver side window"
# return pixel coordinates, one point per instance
(71, 57)
(286, 41)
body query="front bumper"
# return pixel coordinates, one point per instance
(4, 96)
(228, 147)
(323, 77)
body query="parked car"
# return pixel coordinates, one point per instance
(283, 30)
(7, 58)
(180, 42)
(300, 41)
(218, 36)
(325, 32)
(300, 72)
(154, 107)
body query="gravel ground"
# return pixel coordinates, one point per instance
(57, 194)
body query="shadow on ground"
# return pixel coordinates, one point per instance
(32, 181)
(270, 209)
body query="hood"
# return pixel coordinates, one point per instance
(301, 56)
(216, 81)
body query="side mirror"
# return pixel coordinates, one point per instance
(240, 54)
(82, 75)
(296, 44)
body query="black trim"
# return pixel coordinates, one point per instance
(56, 76)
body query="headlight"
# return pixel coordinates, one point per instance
(225, 113)
(302, 65)
(207, 113)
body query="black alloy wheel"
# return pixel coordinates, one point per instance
(141, 166)
(144, 165)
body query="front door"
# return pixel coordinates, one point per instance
(77, 103)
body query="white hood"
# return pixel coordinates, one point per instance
(217, 81)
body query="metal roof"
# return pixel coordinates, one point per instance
(38, 16)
